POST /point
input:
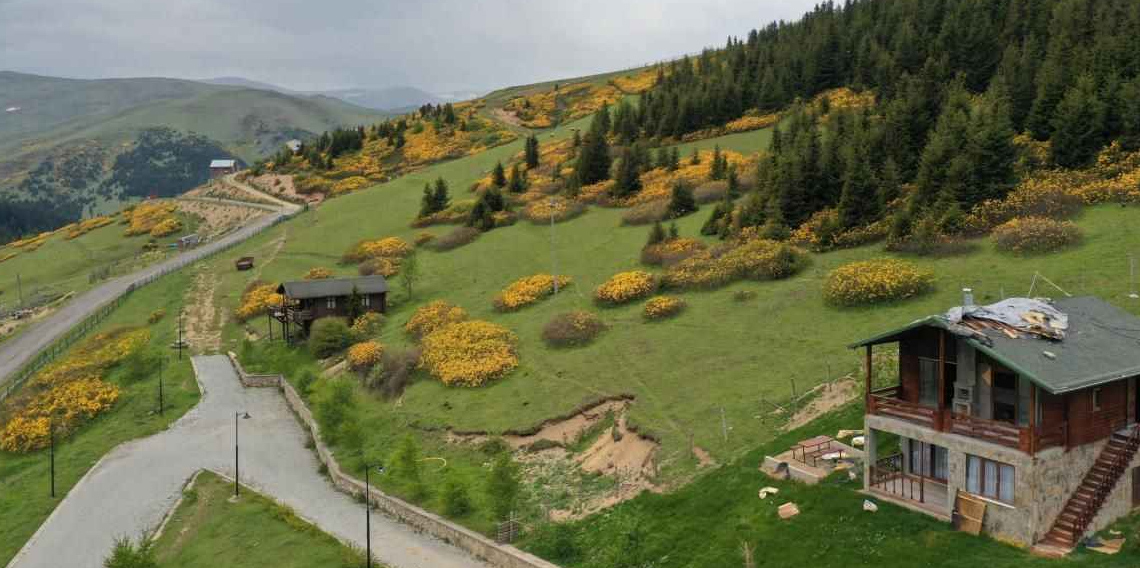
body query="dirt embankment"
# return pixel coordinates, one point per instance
(828, 397)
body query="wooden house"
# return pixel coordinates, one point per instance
(308, 300)
(219, 168)
(1018, 418)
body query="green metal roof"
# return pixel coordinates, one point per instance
(1101, 345)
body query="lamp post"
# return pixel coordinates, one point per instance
(237, 472)
(368, 510)
(180, 333)
(51, 437)
(553, 260)
(161, 402)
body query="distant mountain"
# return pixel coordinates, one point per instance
(82, 145)
(249, 84)
(388, 99)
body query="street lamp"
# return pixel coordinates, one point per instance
(51, 435)
(368, 510)
(237, 473)
(161, 402)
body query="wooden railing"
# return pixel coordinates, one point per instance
(887, 475)
(1052, 436)
(989, 430)
(885, 402)
(1115, 471)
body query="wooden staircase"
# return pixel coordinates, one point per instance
(1098, 483)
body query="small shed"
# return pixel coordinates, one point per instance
(244, 263)
(219, 168)
(309, 300)
(295, 146)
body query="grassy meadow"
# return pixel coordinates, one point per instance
(24, 478)
(208, 530)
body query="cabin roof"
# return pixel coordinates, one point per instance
(222, 163)
(1100, 344)
(324, 288)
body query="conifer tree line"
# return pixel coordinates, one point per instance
(954, 82)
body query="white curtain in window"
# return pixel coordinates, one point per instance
(973, 475)
(940, 469)
(1005, 490)
(990, 479)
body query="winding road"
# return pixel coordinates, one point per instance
(16, 353)
(132, 487)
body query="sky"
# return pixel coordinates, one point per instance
(437, 45)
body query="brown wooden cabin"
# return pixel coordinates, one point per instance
(1027, 406)
(308, 300)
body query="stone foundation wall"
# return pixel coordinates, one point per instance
(499, 555)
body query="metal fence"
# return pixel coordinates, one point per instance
(47, 355)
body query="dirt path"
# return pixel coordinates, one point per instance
(831, 396)
(257, 193)
(203, 320)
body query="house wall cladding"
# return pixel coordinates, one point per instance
(499, 555)
(1043, 486)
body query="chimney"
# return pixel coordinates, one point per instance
(967, 297)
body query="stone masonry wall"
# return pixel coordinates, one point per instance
(499, 555)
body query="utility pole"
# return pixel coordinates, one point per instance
(368, 510)
(553, 260)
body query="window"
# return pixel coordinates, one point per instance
(928, 381)
(1096, 399)
(989, 478)
(928, 460)
(330, 303)
(366, 300)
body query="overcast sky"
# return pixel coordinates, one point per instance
(439, 45)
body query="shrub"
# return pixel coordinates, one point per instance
(711, 192)
(875, 281)
(469, 353)
(1029, 235)
(364, 355)
(329, 336)
(126, 554)
(744, 295)
(156, 316)
(754, 259)
(423, 238)
(406, 467)
(661, 307)
(390, 247)
(456, 501)
(528, 290)
(541, 210)
(317, 273)
(432, 316)
(394, 373)
(334, 407)
(671, 251)
(71, 403)
(625, 287)
(368, 324)
(456, 238)
(1047, 195)
(572, 329)
(166, 227)
(503, 486)
(386, 267)
(257, 298)
(305, 380)
(645, 213)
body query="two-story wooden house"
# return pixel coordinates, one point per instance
(306, 301)
(1027, 407)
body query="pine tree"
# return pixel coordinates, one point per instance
(991, 151)
(517, 181)
(944, 150)
(681, 200)
(499, 175)
(503, 486)
(858, 204)
(577, 140)
(718, 168)
(427, 202)
(440, 197)
(628, 180)
(656, 234)
(674, 159)
(674, 232)
(695, 160)
(1077, 126)
(531, 152)
(733, 184)
(594, 157)
(890, 183)
(1130, 114)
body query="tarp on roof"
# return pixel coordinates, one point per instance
(324, 288)
(1101, 344)
(1036, 316)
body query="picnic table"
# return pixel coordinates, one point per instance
(812, 449)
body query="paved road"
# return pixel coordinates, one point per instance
(17, 352)
(136, 483)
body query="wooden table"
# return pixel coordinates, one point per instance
(812, 448)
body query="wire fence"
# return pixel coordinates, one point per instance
(60, 345)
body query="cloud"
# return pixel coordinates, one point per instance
(307, 44)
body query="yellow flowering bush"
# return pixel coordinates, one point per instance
(1049, 194)
(657, 184)
(143, 218)
(432, 316)
(364, 355)
(384, 266)
(257, 299)
(368, 324)
(317, 273)
(76, 230)
(625, 287)
(469, 353)
(541, 209)
(156, 316)
(424, 238)
(823, 232)
(754, 259)
(8, 256)
(874, 281)
(166, 227)
(752, 122)
(671, 251)
(71, 404)
(349, 185)
(528, 290)
(389, 247)
(661, 307)
(1027, 235)
(636, 83)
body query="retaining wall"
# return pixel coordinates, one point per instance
(499, 555)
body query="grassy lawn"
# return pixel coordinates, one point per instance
(207, 530)
(705, 523)
(24, 478)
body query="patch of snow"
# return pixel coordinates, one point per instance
(12, 109)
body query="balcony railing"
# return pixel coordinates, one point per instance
(1001, 433)
(885, 402)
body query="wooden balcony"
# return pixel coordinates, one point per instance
(885, 402)
(1001, 433)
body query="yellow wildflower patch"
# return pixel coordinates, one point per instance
(625, 287)
(874, 281)
(661, 307)
(388, 247)
(146, 216)
(69, 405)
(348, 185)
(166, 227)
(469, 353)
(753, 259)
(81, 228)
(432, 316)
(368, 324)
(365, 354)
(257, 299)
(1026, 235)
(636, 83)
(317, 273)
(528, 290)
